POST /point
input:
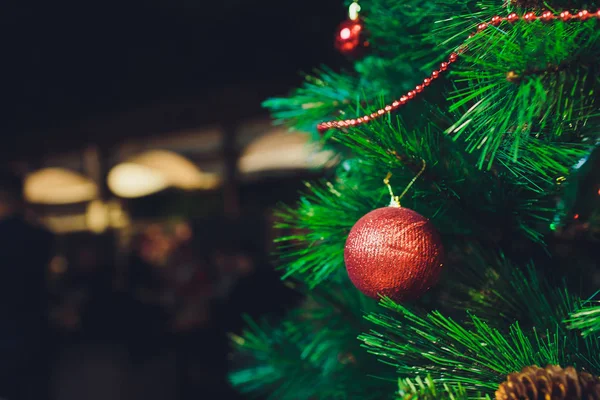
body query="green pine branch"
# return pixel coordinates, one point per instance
(417, 388)
(325, 94)
(499, 292)
(405, 44)
(407, 34)
(320, 224)
(586, 320)
(575, 198)
(517, 86)
(525, 83)
(313, 353)
(478, 358)
(459, 198)
(480, 350)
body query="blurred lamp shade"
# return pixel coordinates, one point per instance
(156, 170)
(56, 186)
(281, 150)
(132, 180)
(100, 216)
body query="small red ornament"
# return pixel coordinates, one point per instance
(395, 252)
(351, 37)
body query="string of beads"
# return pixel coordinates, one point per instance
(546, 16)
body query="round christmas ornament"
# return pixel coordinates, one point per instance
(395, 252)
(351, 37)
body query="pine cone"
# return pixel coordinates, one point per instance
(550, 383)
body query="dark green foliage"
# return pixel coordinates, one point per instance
(313, 353)
(580, 193)
(323, 94)
(478, 353)
(404, 50)
(300, 252)
(478, 357)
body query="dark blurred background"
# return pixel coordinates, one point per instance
(139, 180)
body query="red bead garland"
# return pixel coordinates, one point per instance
(496, 20)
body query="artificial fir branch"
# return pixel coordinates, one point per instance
(456, 203)
(401, 144)
(530, 110)
(499, 293)
(517, 77)
(313, 353)
(586, 319)
(491, 110)
(526, 135)
(477, 358)
(321, 220)
(394, 28)
(419, 389)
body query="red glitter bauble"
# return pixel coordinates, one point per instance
(394, 252)
(351, 38)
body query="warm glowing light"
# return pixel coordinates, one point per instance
(345, 33)
(96, 217)
(576, 216)
(58, 265)
(177, 170)
(58, 186)
(183, 232)
(100, 216)
(282, 150)
(157, 170)
(66, 223)
(117, 217)
(132, 180)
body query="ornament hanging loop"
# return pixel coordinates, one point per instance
(353, 11)
(395, 200)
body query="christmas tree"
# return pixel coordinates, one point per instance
(450, 252)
